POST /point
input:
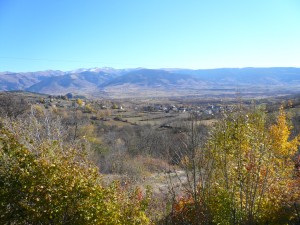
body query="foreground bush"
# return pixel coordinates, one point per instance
(252, 174)
(58, 185)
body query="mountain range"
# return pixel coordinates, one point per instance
(109, 82)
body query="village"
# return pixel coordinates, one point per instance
(132, 111)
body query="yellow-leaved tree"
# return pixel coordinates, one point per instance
(253, 169)
(251, 173)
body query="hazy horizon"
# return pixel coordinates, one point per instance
(132, 68)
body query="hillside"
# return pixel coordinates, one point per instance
(83, 82)
(162, 82)
(20, 81)
(154, 78)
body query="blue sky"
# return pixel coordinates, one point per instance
(70, 34)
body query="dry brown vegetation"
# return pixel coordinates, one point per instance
(162, 145)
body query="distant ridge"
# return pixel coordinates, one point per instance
(164, 82)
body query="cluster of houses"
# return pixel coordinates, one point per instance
(164, 108)
(60, 101)
(208, 110)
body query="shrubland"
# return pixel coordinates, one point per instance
(44, 179)
(63, 165)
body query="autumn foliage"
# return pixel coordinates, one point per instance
(54, 183)
(253, 179)
(243, 174)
